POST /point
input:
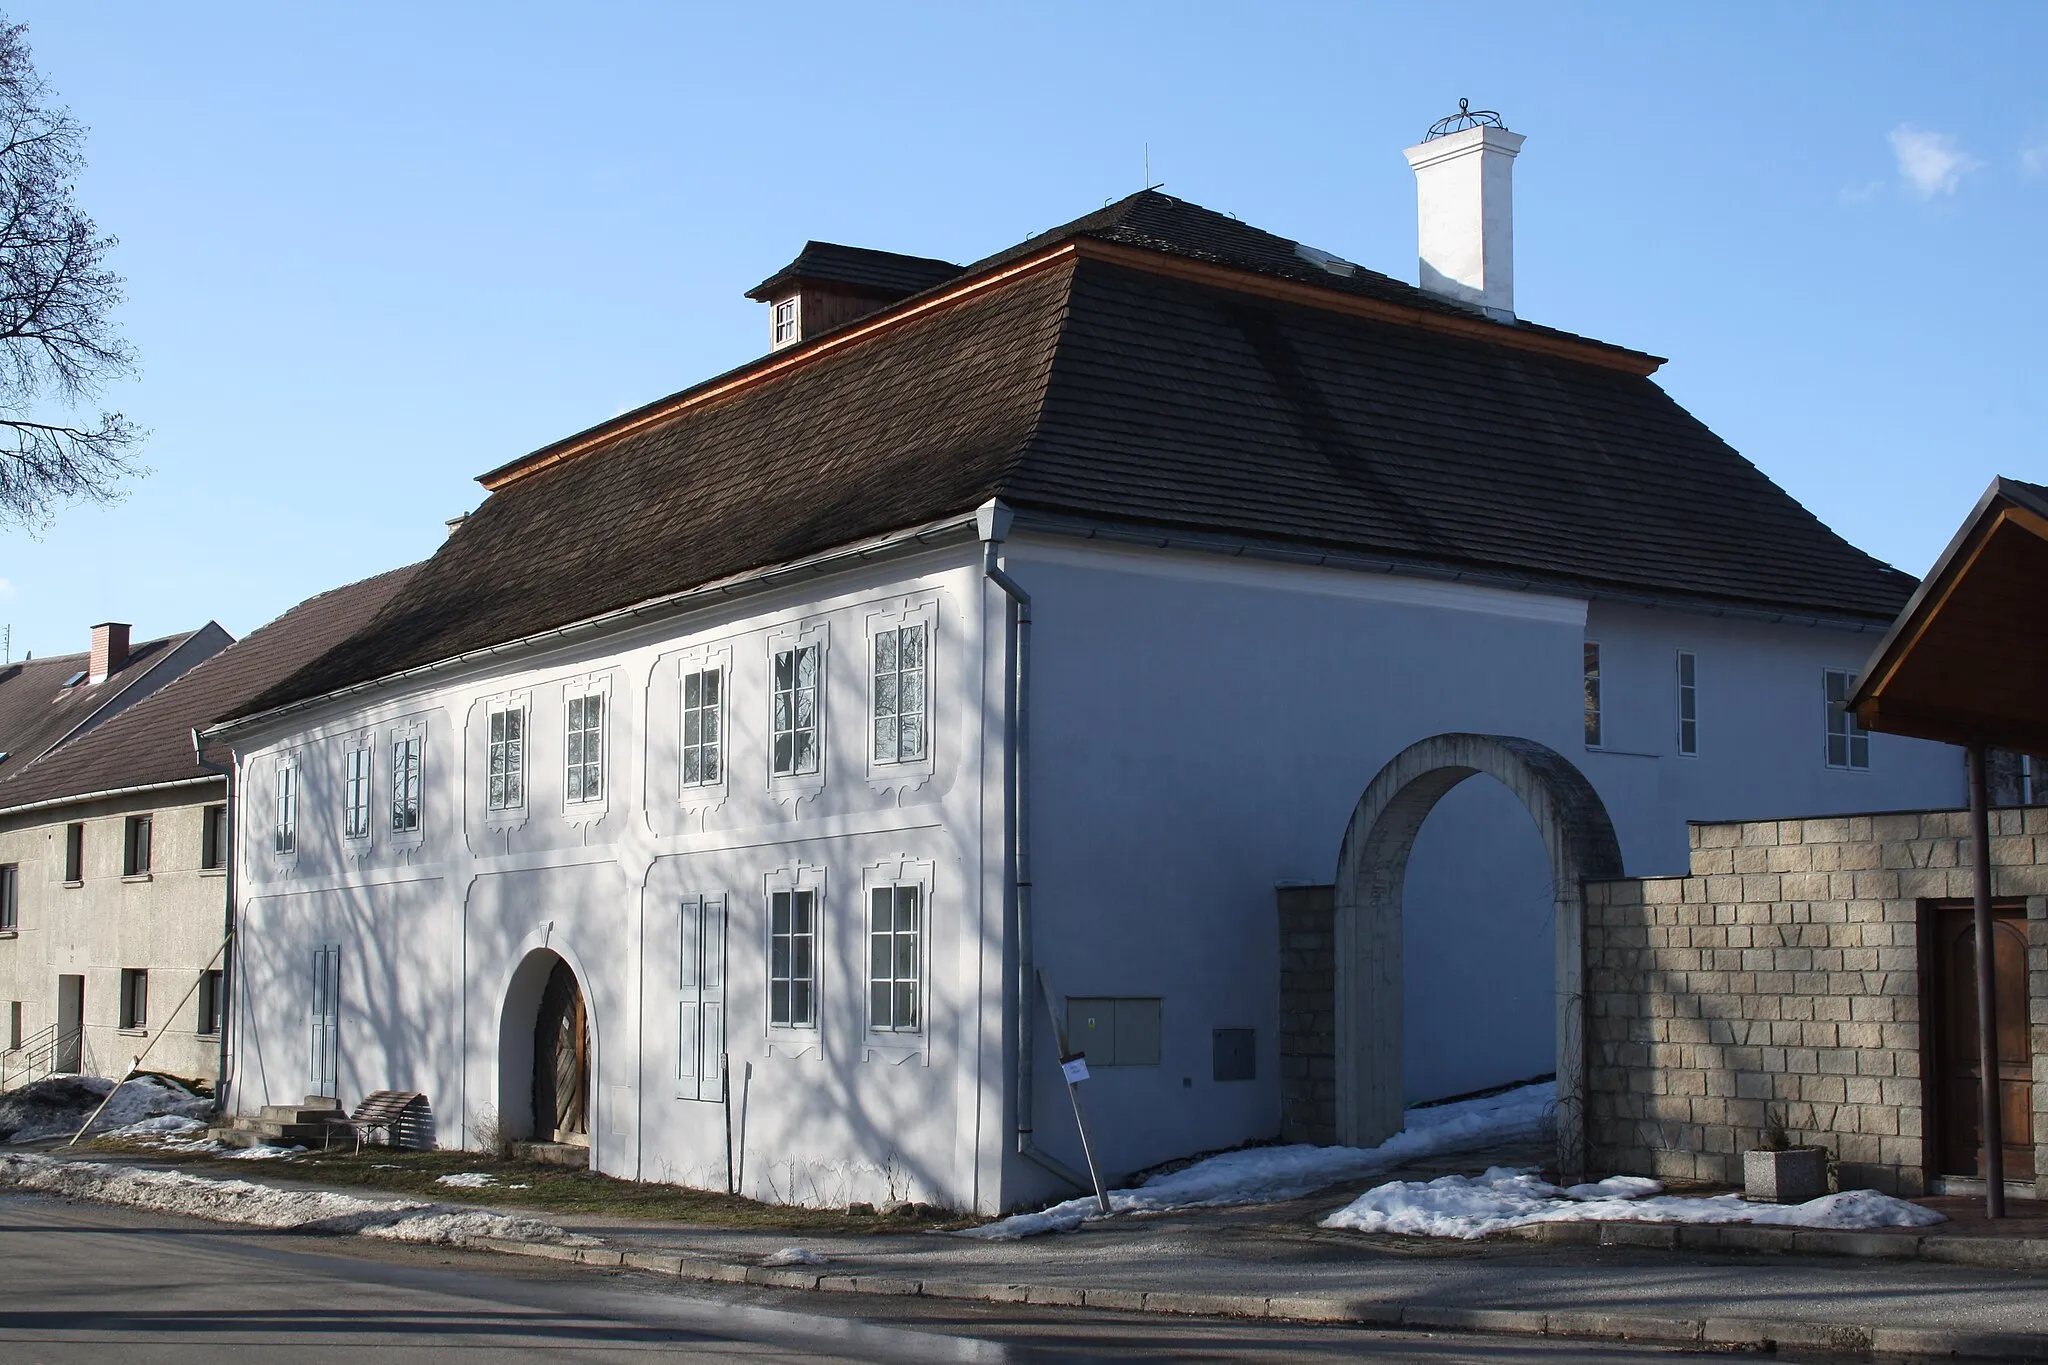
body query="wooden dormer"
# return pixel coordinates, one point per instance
(828, 286)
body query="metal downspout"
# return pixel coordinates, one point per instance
(227, 963)
(993, 521)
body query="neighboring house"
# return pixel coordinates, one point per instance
(44, 702)
(114, 863)
(761, 761)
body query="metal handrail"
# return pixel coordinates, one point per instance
(39, 1051)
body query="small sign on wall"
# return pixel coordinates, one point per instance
(1075, 1067)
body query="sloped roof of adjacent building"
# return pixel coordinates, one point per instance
(37, 710)
(150, 743)
(1158, 366)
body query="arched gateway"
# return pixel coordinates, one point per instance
(1371, 870)
(544, 1061)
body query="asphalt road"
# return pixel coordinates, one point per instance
(91, 1283)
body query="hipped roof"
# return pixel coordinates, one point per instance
(1155, 365)
(1967, 659)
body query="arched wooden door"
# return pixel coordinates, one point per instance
(1956, 1065)
(561, 1061)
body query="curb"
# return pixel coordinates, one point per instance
(1984, 1253)
(1332, 1310)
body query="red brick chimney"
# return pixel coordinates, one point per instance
(109, 650)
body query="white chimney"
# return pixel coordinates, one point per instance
(1465, 212)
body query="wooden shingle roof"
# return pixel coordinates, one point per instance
(1159, 366)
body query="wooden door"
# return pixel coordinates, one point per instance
(69, 1053)
(1955, 1066)
(700, 999)
(561, 1061)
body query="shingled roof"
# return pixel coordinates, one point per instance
(1154, 365)
(38, 711)
(885, 274)
(150, 743)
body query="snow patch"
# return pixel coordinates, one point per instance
(1261, 1175)
(240, 1201)
(59, 1105)
(795, 1256)
(467, 1180)
(1466, 1207)
(262, 1153)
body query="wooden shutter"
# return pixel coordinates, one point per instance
(700, 998)
(326, 1020)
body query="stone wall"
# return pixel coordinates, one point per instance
(1308, 1014)
(1784, 975)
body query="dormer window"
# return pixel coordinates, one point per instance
(786, 327)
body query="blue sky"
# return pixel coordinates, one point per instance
(374, 250)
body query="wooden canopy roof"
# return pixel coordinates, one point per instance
(1967, 660)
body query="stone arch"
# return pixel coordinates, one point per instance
(522, 999)
(1371, 871)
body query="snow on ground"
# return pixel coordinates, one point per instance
(240, 1201)
(795, 1256)
(467, 1180)
(262, 1152)
(1259, 1175)
(1473, 1206)
(59, 1105)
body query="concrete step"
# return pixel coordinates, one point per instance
(553, 1153)
(293, 1113)
(272, 1130)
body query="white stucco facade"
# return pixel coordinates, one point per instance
(1201, 726)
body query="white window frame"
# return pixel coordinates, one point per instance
(796, 786)
(1593, 695)
(701, 971)
(507, 810)
(359, 752)
(882, 1042)
(795, 1040)
(785, 322)
(1688, 681)
(901, 774)
(284, 827)
(1852, 728)
(590, 808)
(695, 664)
(414, 735)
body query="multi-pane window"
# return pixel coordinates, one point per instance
(792, 959)
(135, 846)
(405, 783)
(793, 726)
(285, 836)
(785, 322)
(899, 695)
(134, 998)
(355, 818)
(703, 728)
(1592, 695)
(213, 838)
(585, 748)
(74, 853)
(1688, 703)
(892, 957)
(10, 897)
(212, 1002)
(1848, 741)
(506, 781)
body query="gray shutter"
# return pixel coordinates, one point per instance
(326, 1020)
(700, 998)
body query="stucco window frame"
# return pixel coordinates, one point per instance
(363, 742)
(795, 787)
(902, 776)
(415, 731)
(897, 1046)
(705, 797)
(785, 1040)
(590, 810)
(282, 856)
(509, 817)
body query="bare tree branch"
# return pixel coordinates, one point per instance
(57, 297)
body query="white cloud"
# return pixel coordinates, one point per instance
(2035, 158)
(1861, 194)
(6, 591)
(1930, 163)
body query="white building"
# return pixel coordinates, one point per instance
(1040, 617)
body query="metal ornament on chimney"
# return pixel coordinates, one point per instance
(1466, 117)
